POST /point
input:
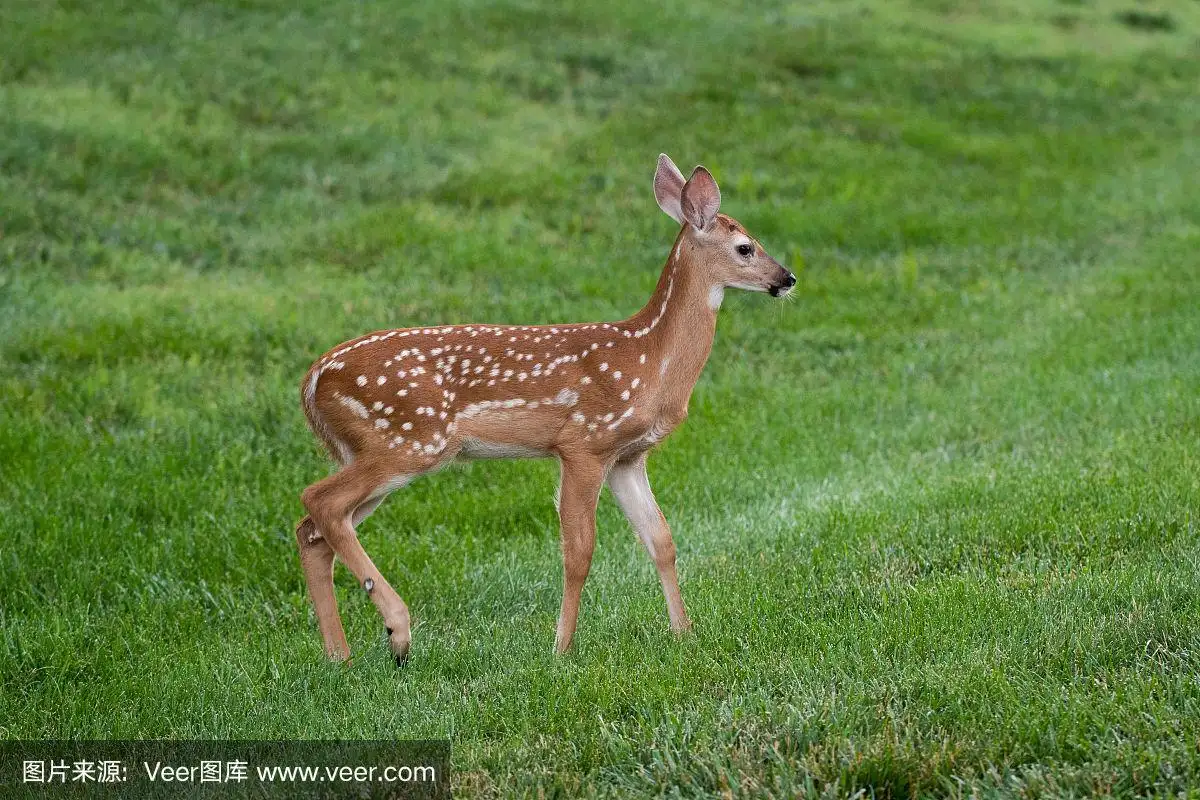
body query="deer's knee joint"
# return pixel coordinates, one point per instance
(664, 554)
(325, 523)
(664, 547)
(307, 535)
(577, 565)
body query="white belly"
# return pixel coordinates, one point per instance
(478, 448)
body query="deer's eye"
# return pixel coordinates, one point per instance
(744, 250)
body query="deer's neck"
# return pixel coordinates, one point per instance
(679, 324)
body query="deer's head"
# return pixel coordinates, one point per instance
(719, 244)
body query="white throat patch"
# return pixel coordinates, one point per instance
(716, 295)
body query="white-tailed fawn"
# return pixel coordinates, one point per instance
(394, 404)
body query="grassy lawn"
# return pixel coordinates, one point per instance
(936, 519)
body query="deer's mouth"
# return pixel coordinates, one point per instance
(784, 286)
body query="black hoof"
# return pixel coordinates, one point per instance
(401, 658)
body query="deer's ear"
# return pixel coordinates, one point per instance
(668, 187)
(701, 199)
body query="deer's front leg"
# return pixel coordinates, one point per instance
(577, 496)
(630, 486)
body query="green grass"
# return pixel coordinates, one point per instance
(936, 519)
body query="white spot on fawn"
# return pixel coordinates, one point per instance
(355, 406)
(628, 413)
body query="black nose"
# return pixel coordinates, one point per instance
(789, 280)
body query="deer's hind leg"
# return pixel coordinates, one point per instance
(582, 479)
(335, 505)
(316, 557)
